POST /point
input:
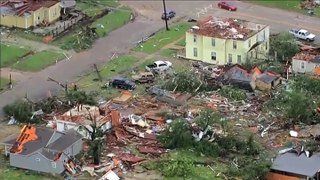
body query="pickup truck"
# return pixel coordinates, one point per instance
(302, 34)
(159, 66)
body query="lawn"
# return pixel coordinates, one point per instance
(38, 61)
(120, 65)
(4, 82)
(94, 7)
(182, 42)
(199, 172)
(163, 38)
(168, 52)
(112, 21)
(10, 54)
(291, 5)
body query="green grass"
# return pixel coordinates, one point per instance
(10, 54)
(4, 82)
(163, 38)
(168, 52)
(291, 5)
(38, 61)
(200, 172)
(182, 42)
(112, 21)
(118, 66)
(94, 7)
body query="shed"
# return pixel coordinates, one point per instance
(297, 166)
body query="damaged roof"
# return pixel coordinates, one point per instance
(227, 28)
(312, 55)
(21, 7)
(300, 165)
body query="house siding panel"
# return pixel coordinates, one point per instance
(223, 47)
(29, 162)
(308, 66)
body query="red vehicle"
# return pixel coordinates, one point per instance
(225, 5)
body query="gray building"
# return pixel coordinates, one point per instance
(299, 166)
(49, 151)
(306, 61)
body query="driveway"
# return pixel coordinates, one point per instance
(122, 40)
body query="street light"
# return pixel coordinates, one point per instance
(165, 14)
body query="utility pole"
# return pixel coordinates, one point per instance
(165, 14)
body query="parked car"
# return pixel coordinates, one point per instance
(227, 6)
(302, 34)
(123, 83)
(170, 14)
(159, 66)
(144, 77)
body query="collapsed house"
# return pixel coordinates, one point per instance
(224, 41)
(79, 119)
(251, 80)
(29, 13)
(43, 150)
(307, 61)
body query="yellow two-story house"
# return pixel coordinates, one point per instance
(227, 41)
(26, 14)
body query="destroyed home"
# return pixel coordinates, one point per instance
(268, 80)
(29, 13)
(307, 61)
(295, 166)
(43, 150)
(239, 76)
(79, 119)
(224, 41)
(251, 80)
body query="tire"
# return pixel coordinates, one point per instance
(230, 9)
(219, 6)
(309, 40)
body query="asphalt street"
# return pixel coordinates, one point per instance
(123, 39)
(277, 19)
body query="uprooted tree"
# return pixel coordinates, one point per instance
(187, 82)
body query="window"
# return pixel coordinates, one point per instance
(230, 58)
(264, 34)
(38, 159)
(234, 44)
(38, 17)
(239, 59)
(54, 165)
(257, 38)
(213, 42)
(249, 43)
(213, 56)
(266, 45)
(65, 126)
(302, 65)
(195, 52)
(194, 38)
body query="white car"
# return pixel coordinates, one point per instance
(159, 66)
(302, 34)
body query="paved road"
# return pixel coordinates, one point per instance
(122, 40)
(277, 19)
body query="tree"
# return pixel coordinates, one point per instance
(20, 110)
(209, 117)
(285, 45)
(300, 107)
(96, 140)
(177, 135)
(80, 97)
